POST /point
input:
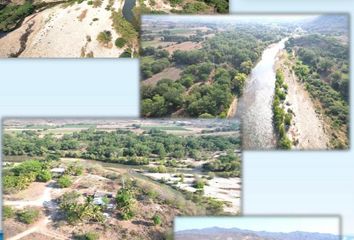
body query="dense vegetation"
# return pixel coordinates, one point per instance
(281, 117)
(119, 146)
(75, 212)
(22, 175)
(128, 33)
(11, 15)
(323, 65)
(211, 76)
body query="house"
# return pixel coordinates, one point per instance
(57, 172)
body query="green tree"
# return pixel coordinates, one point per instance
(246, 67)
(125, 203)
(239, 83)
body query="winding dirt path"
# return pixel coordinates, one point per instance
(45, 201)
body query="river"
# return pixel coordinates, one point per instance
(128, 10)
(255, 105)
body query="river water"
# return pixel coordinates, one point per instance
(255, 105)
(128, 10)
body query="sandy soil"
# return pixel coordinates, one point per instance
(185, 46)
(44, 199)
(172, 73)
(224, 189)
(233, 108)
(64, 32)
(307, 129)
(31, 193)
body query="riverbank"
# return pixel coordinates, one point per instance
(255, 105)
(307, 129)
(65, 31)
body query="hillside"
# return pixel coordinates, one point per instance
(239, 234)
(328, 24)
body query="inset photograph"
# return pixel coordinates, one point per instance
(184, 6)
(258, 228)
(84, 28)
(285, 76)
(69, 29)
(116, 178)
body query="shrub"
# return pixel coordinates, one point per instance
(199, 184)
(7, 212)
(125, 203)
(126, 54)
(44, 176)
(28, 215)
(64, 181)
(74, 170)
(157, 220)
(104, 37)
(88, 236)
(120, 42)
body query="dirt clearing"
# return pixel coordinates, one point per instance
(185, 46)
(172, 73)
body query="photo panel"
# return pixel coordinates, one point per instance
(85, 28)
(258, 228)
(286, 76)
(116, 178)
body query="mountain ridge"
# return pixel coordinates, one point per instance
(242, 234)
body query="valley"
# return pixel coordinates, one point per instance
(121, 179)
(284, 77)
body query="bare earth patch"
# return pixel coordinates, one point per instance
(307, 129)
(172, 73)
(35, 190)
(185, 46)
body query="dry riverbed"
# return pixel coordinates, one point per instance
(64, 31)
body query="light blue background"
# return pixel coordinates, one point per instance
(274, 182)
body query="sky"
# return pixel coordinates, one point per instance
(238, 17)
(271, 224)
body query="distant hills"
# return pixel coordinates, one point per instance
(328, 24)
(216, 233)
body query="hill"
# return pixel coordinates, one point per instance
(331, 24)
(239, 234)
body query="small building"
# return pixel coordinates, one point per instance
(57, 172)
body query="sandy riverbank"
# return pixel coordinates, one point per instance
(60, 32)
(307, 129)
